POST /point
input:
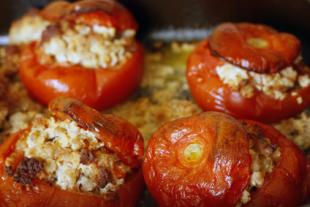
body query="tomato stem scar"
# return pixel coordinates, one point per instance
(257, 42)
(193, 152)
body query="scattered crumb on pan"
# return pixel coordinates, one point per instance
(163, 96)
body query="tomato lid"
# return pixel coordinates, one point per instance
(102, 12)
(254, 47)
(117, 134)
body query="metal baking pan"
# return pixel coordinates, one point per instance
(188, 20)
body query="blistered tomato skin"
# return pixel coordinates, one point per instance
(43, 194)
(98, 88)
(257, 48)
(203, 160)
(211, 93)
(284, 186)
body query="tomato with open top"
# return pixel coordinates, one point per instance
(75, 157)
(88, 51)
(249, 71)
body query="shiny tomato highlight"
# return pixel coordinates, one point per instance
(204, 160)
(211, 93)
(127, 143)
(201, 160)
(255, 47)
(98, 88)
(284, 186)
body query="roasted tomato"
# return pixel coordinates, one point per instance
(211, 159)
(87, 52)
(255, 47)
(202, 160)
(25, 171)
(249, 73)
(284, 186)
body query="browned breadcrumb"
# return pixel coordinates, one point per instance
(297, 129)
(17, 109)
(163, 96)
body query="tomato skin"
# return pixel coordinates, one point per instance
(211, 93)
(173, 181)
(103, 12)
(284, 186)
(42, 194)
(118, 135)
(98, 88)
(275, 51)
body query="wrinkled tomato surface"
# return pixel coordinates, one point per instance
(255, 47)
(204, 160)
(215, 175)
(211, 93)
(44, 194)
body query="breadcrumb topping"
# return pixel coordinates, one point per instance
(297, 129)
(72, 158)
(277, 85)
(89, 46)
(265, 156)
(27, 29)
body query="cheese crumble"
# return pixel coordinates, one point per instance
(89, 46)
(277, 85)
(73, 158)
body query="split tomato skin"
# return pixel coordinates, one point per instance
(217, 169)
(284, 186)
(255, 47)
(42, 194)
(210, 93)
(214, 175)
(99, 88)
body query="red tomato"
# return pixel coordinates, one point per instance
(99, 88)
(42, 194)
(211, 93)
(202, 160)
(117, 134)
(103, 12)
(284, 186)
(255, 47)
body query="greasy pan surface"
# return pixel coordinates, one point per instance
(286, 15)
